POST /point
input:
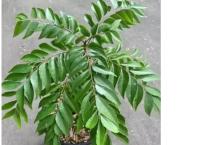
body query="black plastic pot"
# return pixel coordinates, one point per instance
(84, 143)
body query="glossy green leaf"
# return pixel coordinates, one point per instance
(9, 94)
(10, 85)
(9, 105)
(138, 96)
(109, 94)
(61, 124)
(152, 91)
(24, 115)
(47, 48)
(104, 108)
(92, 122)
(9, 114)
(100, 135)
(31, 29)
(110, 125)
(16, 77)
(123, 82)
(89, 20)
(44, 76)
(46, 111)
(21, 68)
(102, 71)
(97, 11)
(28, 91)
(84, 30)
(45, 123)
(17, 119)
(20, 98)
(30, 58)
(66, 114)
(49, 14)
(148, 103)
(36, 83)
(53, 69)
(20, 27)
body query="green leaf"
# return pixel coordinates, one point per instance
(150, 78)
(24, 115)
(9, 114)
(9, 105)
(122, 137)
(49, 14)
(16, 77)
(61, 124)
(152, 91)
(57, 130)
(66, 114)
(10, 85)
(36, 83)
(17, 119)
(92, 122)
(21, 68)
(86, 108)
(97, 11)
(110, 125)
(104, 108)
(31, 29)
(41, 13)
(132, 64)
(117, 71)
(157, 104)
(39, 53)
(123, 82)
(138, 96)
(109, 94)
(30, 58)
(84, 30)
(20, 27)
(46, 122)
(102, 71)
(148, 103)
(116, 24)
(28, 91)
(47, 48)
(143, 72)
(88, 19)
(70, 102)
(48, 100)
(20, 98)
(21, 17)
(46, 111)
(99, 80)
(34, 13)
(53, 69)
(94, 29)
(56, 141)
(9, 94)
(100, 135)
(103, 7)
(44, 76)
(133, 90)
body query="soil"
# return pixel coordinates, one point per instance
(84, 143)
(74, 138)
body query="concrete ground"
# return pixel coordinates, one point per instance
(143, 130)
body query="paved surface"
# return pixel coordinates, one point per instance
(143, 130)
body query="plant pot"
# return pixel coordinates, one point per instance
(84, 143)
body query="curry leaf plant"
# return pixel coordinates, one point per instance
(82, 74)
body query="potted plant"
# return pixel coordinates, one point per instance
(80, 75)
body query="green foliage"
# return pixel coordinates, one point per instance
(83, 70)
